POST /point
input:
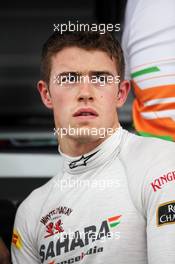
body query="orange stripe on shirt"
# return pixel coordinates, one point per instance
(157, 126)
(157, 107)
(157, 92)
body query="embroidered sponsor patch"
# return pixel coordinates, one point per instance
(16, 239)
(53, 222)
(71, 241)
(166, 213)
(163, 180)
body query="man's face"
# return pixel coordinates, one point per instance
(84, 92)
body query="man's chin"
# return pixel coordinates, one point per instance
(86, 138)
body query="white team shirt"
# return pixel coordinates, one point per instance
(149, 39)
(148, 42)
(115, 204)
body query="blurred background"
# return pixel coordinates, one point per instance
(28, 148)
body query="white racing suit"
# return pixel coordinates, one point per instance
(115, 204)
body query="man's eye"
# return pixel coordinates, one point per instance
(101, 78)
(67, 79)
(70, 79)
(63, 79)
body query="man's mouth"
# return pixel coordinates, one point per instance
(85, 112)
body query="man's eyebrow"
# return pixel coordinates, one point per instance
(101, 73)
(91, 73)
(65, 73)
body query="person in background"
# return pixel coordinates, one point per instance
(4, 253)
(149, 46)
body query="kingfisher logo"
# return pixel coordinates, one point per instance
(157, 184)
(67, 243)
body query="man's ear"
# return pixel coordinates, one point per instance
(123, 92)
(44, 93)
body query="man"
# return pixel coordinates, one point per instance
(114, 201)
(4, 253)
(149, 47)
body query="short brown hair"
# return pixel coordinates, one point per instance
(88, 40)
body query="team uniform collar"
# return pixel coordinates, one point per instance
(94, 158)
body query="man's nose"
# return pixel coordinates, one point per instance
(86, 91)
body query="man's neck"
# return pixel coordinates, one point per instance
(73, 147)
(76, 147)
